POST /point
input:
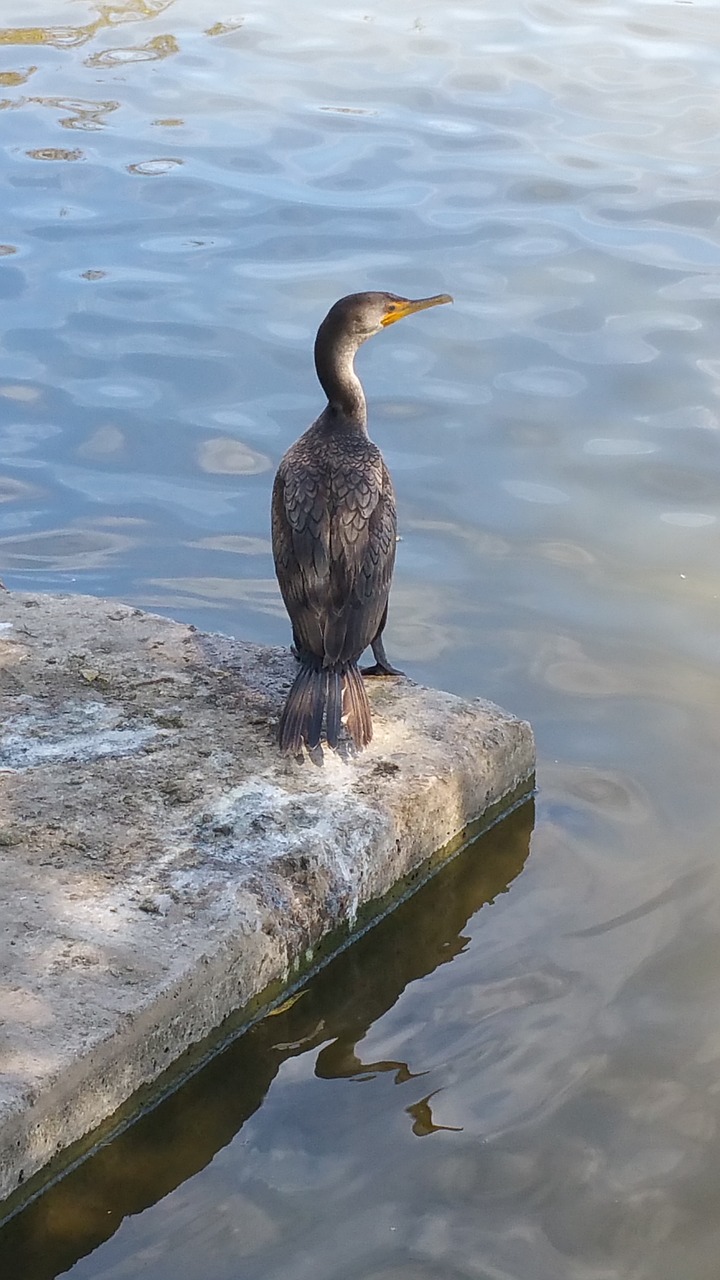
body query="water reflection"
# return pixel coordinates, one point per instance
(324, 1028)
(88, 115)
(66, 37)
(226, 456)
(14, 78)
(55, 153)
(60, 549)
(151, 51)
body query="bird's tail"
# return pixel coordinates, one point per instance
(356, 708)
(318, 695)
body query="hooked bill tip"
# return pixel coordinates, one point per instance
(438, 299)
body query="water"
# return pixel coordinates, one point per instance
(185, 189)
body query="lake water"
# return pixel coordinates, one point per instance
(518, 1076)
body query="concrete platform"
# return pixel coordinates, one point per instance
(162, 867)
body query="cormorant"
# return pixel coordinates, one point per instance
(334, 533)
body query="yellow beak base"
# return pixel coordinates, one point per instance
(407, 307)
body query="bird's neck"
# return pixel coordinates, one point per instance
(334, 364)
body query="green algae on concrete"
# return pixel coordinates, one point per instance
(161, 865)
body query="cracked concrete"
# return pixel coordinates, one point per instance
(161, 865)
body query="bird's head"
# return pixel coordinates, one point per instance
(360, 315)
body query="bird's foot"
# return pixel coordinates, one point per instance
(381, 669)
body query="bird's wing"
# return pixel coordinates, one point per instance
(362, 555)
(301, 544)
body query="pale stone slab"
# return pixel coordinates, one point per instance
(161, 864)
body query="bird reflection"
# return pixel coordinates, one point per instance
(423, 1123)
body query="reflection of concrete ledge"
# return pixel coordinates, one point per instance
(161, 866)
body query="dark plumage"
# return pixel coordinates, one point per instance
(333, 533)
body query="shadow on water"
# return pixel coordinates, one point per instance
(184, 1133)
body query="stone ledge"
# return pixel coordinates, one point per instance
(161, 865)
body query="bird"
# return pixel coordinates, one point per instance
(334, 530)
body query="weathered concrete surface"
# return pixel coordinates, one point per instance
(160, 864)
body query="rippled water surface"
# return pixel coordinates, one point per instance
(527, 1089)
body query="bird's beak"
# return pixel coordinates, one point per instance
(406, 306)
